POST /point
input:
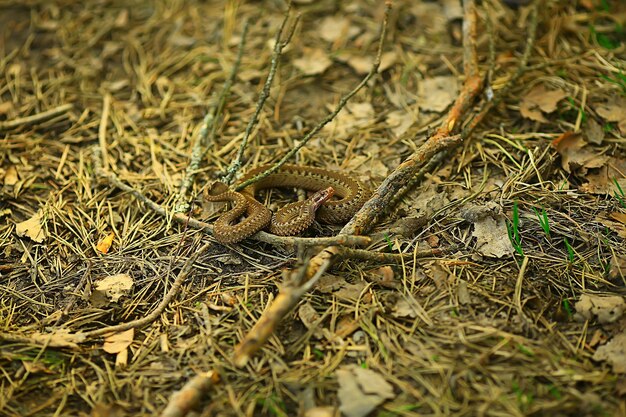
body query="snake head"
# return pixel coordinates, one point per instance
(321, 196)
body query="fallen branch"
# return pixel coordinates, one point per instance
(443, 139)
(209, 129)
(265, 93)
(36, 118)
(185, 400)
(154, 314)
(342, 103)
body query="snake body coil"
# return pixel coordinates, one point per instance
(292, 218)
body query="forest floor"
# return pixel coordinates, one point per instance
(506, 292)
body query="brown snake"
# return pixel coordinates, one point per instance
(293, 218)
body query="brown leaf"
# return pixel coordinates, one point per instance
(613, 352)
(540, 100)
(607, 309)
(576, 154)
(332, 28)
(603, 181)
(616, 226)
(614, 112)
(32, 228)
(315, 61)
(310, 318)
(346, 326)
(618, 267)
(437, 93)
(118, 342)
(10, 176)
(6, 107)
(593, 132)
(111, 289)
(105, 244)
(58, 338)
(361, 390)
(492, 239)
(382, 276)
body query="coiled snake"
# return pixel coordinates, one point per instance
(293, 218)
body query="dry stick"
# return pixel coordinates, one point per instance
(208, 228)
(102, 130)
(342, 102)
(169, 296)
(371, 256)
(522, 67)
(265, 93)
(209, 128)
(36, 118)
(366, 217)
(183, 401)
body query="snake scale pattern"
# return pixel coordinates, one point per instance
(293, 218)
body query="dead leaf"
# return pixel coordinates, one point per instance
(6, 107)
(576, 154)
(350, 292)
(405, 307)
(333, 27)
(361, 390)
(10, 176)
(593, 132)
(346, 325)
(616, 226)
(620, 217)
(110, 289)
(58, 338)
(614, 352)
(437, 93)
(618, 267)
(620, 387)
(362, 64)
(329, 283)
(105, 244)
(32, 228)
(350, 118)
(607, 309)
(399, 121)
(315, 61)
(320, 412)
(492, 238)
(310, 318)
(463, 293)
(539, 100)
(614, 112)
(36, 367)
(118, 342)
(603, 181)
(382, 276)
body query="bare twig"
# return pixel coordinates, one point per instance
(173, 291)
(207, 228)
(522, 67)
(278, 48)
(342, 102)
(102, 132)
(371, 256)
(185, 400)
(36, 118)
(209, 128)
(443, 139)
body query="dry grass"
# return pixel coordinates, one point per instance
(490, 336)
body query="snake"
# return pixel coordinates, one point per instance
(293, 218)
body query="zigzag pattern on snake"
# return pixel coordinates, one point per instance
(292, 218)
